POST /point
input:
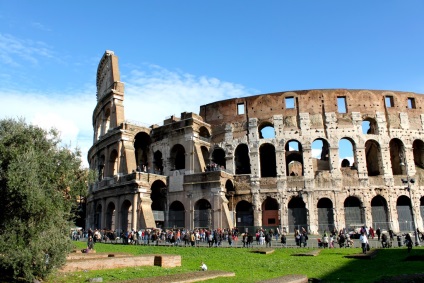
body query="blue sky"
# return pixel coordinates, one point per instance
(177, 55)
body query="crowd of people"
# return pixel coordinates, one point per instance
(261, 237)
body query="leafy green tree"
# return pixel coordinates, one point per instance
(40, 182)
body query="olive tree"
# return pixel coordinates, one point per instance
(39, 185)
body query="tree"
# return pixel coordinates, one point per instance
(40, 182)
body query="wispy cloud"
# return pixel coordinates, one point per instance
(155, 93)
(150, 96)
(40, 26)
(15, 52)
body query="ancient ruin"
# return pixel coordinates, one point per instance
(319, 159)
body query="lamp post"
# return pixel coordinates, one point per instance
(408, 181)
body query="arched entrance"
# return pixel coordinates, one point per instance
(176, 215)
(403, 206)
(244, 214)
(354, 215)
(98, 217)
(325, 215)
(270, 211)
(380, 215)
(126, 216)
(110, 217)
(297, 214)
(158, 206)
(203, 214)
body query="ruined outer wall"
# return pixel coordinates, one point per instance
(316, 103)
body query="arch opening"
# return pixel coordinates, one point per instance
(268, 160)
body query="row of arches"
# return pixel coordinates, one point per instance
(294, 154)
(293, 157)
(321, 152)
(201, 214)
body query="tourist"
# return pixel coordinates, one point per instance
(364, 242)
(90, 244)
(408, 241)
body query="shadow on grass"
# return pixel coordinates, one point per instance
(388, 263)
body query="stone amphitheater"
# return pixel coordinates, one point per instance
(318, 159)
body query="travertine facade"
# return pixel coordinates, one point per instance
(313, 158)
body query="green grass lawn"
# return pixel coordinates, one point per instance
(330, 265)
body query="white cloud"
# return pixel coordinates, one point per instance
(157, 93)
(316, 153)
(70, 114)
(150, 97)
(13, 50)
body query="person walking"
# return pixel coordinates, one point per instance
(364, 242)
(378, 232)
(408, 241)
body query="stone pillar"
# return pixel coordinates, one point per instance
(308, 170)
(229, 150)
(311, 215)
(118, 215)
(385, 159)
(361, 162)
(134, 212)
(255, 167)
(281, 160)
(103, 215)
(256, 202)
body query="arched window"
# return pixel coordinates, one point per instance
(373, 157)
(294, 158)
(268, 160)
(106, 121)
(218, 157)
(242, 159)
(178, 157)
(347, 154)
(396, 150)
(418, 147)
(369, 126)
(158, 162)
(204, 133)
(142, 143)
(113, 163)
(266, 131)
(320, 155)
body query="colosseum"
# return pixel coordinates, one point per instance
(319, 159)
